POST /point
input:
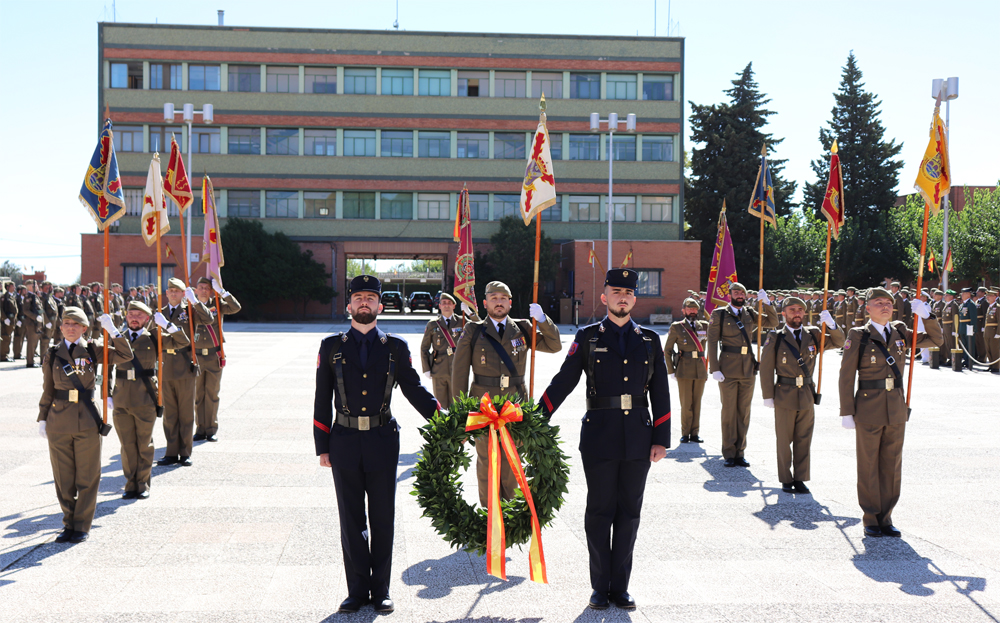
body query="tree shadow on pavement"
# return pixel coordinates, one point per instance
(802, 512)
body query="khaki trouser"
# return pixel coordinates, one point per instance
(134, 426)
(442, 390)
(207, 395)
(18, 340)
(76, 470)
(736, 397)
(880, 466)
(949, 342)
(6, 335)
(993, 352)
(31, 341)
(508, 483)
(793, 429)
(178, 416)
(690, 391)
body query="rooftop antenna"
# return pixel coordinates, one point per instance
(395, 24)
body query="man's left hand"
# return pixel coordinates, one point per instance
(762, 295)
(657, 452)
(536, 312)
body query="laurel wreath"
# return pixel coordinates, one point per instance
(438, 472)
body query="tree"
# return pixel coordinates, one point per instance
(795, 251)
(871, 171)
(262, 267)
(511, 259)
(725, 167)
(10, 270)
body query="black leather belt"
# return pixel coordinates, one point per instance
(797, 381)
(888, 384)
(205, 352)
(177, 351)
(692, 354)
(503, 382)
(74, 395)
(132, 375)
(625, 401)
(739, 350)
(364, 422)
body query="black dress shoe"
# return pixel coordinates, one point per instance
(623, 600)
(788, 487)
(742, 462)
(873, 531)
(168, 460)
(185, 461)
(685, 439)
(64, 536)
(130, 495)
(352, 604)
(800, 487)
(198, 437)
(730, 463)
(696, 439)
(212, 438)
(383, 604)
(143, 495)
(599, 601)
(891, 531)
(79, 537)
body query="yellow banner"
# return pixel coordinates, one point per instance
(934, 177)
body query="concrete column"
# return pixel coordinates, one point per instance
(453, 203)
(491, 202)
(340, 141)
(492, 81)
(224, 140)
(416, 81)
(565, 207)
(263, 202)
(527, 86)
(145, 75)
(378, 81)
(263, 78)
(378, 206)
(453, 144)
(145, 138)
(604, 85)
(416, 144)
(491, 158)
(184, 76)
(302, 78)
(638, 208)
(604, 146)
(107, 76)
(184, 142)
(223, 204)
(638, 147)
(638, 86)
(454, 83)
(339, 209)
(378, 143)
(224, 77)
(263, 140)
(565, 146)
(566, 84)
(302, 204)
(340, 80)
(302, 141)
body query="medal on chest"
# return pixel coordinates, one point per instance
(482, 359)
(873, 359)
(783, 360)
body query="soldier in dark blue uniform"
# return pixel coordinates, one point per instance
(359, 439)
(622, 433)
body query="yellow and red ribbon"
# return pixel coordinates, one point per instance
(496, 543)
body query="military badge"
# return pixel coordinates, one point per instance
(318, 360)
(572, 349)
(517, 342)
(768, 340)
(900, 344)
(847, 344)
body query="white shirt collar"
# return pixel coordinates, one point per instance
(881, 328)
(496, 324)
(735, 310)
(69, 345)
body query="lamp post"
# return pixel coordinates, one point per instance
(188, 112)
(948, 90)
(595, 126)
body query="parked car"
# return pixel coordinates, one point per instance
(421, 301)
(437, 300)
(392, 301)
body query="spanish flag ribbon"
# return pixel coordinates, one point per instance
(496, 543)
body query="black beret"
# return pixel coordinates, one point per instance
(621, 278)
(365, 283)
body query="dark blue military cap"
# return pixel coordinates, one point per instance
(365, 283)
(621, 278)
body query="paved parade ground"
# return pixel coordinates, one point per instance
(249, 532)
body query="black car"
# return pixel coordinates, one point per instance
(421, 301)
(392, 301)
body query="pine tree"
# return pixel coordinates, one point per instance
(868, 248)
(725, 167)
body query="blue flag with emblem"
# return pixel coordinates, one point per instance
(762, 202)
(101, 192)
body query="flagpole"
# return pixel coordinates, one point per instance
(187, 280)
(760, 275)
(159, 332)
(826, 288)
(920, 285)
(534, 299)
(104, 368)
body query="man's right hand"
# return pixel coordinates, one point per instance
(718, 376)
(847, 421)
(428, 374)
(324, 460)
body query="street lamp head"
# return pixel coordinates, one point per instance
(595, 122)
(630, 122)
(168, 113)
(207, 113)
(188, 112)
(948, 89)
(613, 121)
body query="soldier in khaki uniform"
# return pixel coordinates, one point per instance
(478, 350)
(736, 367)
(179, 375)
(687, 367)
(50, 310)
(437, 349)
(875, 355)
(8, 311)
(788, 390)
(840, 307)
(135, 396)
(850, 308)
(69, 418)
(208, 346)
(33, 322)
(981, 307)
(991, 330)
(949, 328)
(901, 307)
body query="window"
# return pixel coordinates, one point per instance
(128, 138)
(165, 76)
(205, 140)
(549, 84)
(433, 207)
(621, 86)
(144, 274)
(624, 209)
(282, 79)
(508, 146)
(473, 145)
(657, 87)
(473, 84)
(244, 78)
(196, 206)
(321, 80)
(283, 142)
(479, 207)
(506, 205)
(282, 204)
(434, 82)
(397, 206)
(359, 81)
(624, 146)
(657, 148)
(243, 203)
(321, 142)
(648, 283)
(359, 143)
(584, 147)
(397, 82)
(204, 78)
(508, 84)
(555, 145)
(553, 212)
(397, 144)
(133, 201)
(585, 86)
(244, 140)
(657, 209)
(126, 75)
(320, 205)
(584, 208)
(434, 144)
(159, 139)
(359, 205)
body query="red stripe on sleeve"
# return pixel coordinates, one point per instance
(663, 419)
(323, 427)
(548, 403)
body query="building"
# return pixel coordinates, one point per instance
(356, 143)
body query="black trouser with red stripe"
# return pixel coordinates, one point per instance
(366, 540)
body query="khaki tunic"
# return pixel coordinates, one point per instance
(950, 330)
(179, 383)
(690, 370)
(991, 334)
(209, 382)
(436, 359)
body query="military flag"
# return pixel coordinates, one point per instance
(211, 245)
(723, 272)
(465, 262)
(176, 184)
(154, 222)
(627, 259)
(934, 176)
(539, 188)
(948, 267)
(762, 201)
(931, 266)
(832, 210)
(101, 192)
(595, 261)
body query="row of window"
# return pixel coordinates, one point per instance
(394, 81)
(394, 143)
(428, 206)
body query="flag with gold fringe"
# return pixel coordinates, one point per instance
(538, 191)
(211, 245)
(465, 261)
(762, 201)
(934, 176)
(722, 275)
(832, 210)
(102, 193)
(176, 184)
(154, 205)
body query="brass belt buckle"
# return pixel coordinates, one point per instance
(74, 395)
(890, 384)
(204, 352)
(130, 375)
(626, 401)
(504, 381)
(743, 350)
(694, 354)
(171, 351)
(364, 423)
(450, 351)
(798, 381)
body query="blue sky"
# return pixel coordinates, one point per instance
(48, 56)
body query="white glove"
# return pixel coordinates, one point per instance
(18, 323)
(41, 429)
(827, 319)
(190, 295)
(48, 325)
(920, 308)
(769, 403)
(111, 404)
(672, 377)
(161, 320)
(39, 319)
(535, 310)
(6, 321)
(969, 331)
(762, 295)
(847, 421)
(109, 325)
(466, 309)
(172, 328)
(718, 376)
(428, 374)
(218, 286)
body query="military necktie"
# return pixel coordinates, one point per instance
(134, 336)
(887, 336)
(500, 329)
(798, 336)
(363, 351)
